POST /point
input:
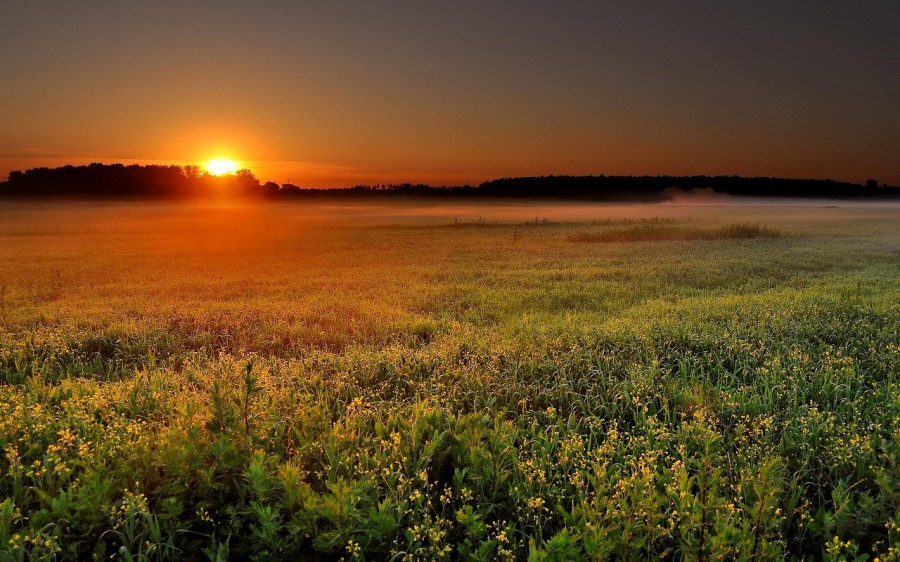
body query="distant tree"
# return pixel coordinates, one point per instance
(120, 181)
(192, 172)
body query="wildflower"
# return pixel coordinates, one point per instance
(536, 503)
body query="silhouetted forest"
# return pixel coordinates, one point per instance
(112, 181)
(652, 188)
(101, 181)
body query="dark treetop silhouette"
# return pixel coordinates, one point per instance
(101, 181)
(120, 181)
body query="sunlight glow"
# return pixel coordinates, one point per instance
(220, 167)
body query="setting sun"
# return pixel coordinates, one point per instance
(221, 167)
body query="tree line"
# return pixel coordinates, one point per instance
(110, 181)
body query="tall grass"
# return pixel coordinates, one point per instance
(659, 232)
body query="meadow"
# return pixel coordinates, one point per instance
(421, 381)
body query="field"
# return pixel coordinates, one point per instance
(416, 381)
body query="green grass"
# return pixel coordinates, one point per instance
(367, 383)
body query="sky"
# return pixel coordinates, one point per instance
(336, 93)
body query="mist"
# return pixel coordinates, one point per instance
(237, 221)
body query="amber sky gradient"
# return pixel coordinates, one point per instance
(340, 93)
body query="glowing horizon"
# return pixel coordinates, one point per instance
(221, 166)
(324, 98)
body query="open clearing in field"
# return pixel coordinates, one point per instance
(423, 380)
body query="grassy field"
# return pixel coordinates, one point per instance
(425, 382)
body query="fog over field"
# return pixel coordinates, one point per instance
(278, 216)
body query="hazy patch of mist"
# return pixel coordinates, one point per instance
(706, 204)
(701, 196)
(695, 196)
(242, 224)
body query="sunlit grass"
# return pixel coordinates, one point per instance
(275, 383)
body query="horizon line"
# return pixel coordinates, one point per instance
(451, 185)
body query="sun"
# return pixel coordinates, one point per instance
(221, 167)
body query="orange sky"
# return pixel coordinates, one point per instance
(450, 93)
